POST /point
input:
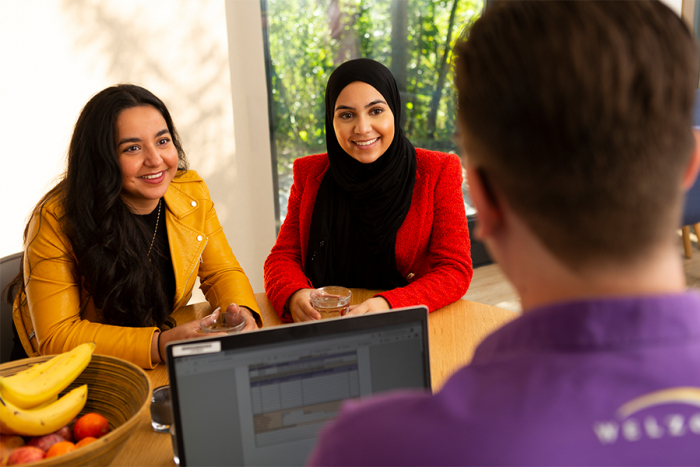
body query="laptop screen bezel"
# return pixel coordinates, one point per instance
(298, 331)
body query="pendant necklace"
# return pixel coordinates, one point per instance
(148, 255)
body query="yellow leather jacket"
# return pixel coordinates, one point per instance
(52, 321)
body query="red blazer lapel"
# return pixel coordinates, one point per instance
(313, 181)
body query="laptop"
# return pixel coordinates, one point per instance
(260, 398)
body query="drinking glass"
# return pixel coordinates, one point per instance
(161, 411)
(229, 322)
(331, 301)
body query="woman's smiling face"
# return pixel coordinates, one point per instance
(147, 157)
(363, 122)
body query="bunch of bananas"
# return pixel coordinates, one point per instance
(29, 403)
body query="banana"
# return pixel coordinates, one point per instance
(34, 371)
(44, 420)
(47, 403)
(38, 384)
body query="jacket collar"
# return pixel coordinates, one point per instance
(319, 177)
(178, 202)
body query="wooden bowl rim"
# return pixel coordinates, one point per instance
(114, 435)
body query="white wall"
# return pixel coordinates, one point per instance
(250, 178)
(55, 55)
(675, 5)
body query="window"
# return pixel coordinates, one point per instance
(307, 39)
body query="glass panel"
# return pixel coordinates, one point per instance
(308, 39)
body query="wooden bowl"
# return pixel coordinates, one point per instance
(117, 389)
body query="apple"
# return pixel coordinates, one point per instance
(25, 455)
(66, 433)
(9, 443)
(46, 441)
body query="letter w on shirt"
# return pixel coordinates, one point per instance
(606, 432)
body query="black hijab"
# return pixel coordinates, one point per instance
(360, 207)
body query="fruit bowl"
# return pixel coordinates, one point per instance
(117, 389)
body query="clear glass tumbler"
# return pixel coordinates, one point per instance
(331, 301)
(161, 410)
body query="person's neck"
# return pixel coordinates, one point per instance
(142, 208)
(660, 273)
(540, 278)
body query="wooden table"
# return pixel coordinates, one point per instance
(454, 333)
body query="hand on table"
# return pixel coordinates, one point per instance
(300, 306)
(191, 330)
(184, 331)
(368, 306)
(250, 324)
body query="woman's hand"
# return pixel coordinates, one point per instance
(184, 331)
(368, 306)
(191, 330)
(250, 324)
(300, 306)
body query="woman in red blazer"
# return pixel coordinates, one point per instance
(373, 212)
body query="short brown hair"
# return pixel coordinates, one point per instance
(579, 112)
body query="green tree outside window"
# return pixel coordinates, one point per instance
(308, 39)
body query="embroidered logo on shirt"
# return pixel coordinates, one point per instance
(649, 416)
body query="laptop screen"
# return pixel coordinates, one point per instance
(260, 398)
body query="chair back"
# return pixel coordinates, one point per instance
(696, 110)
(9, 267)
(691, 206)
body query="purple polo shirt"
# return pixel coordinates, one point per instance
(595, 382)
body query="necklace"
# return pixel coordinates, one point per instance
(148, 255)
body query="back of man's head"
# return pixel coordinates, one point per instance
(579, 114)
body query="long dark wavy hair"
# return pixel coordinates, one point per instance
(109, 242)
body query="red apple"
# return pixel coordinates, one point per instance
(9, 443)
(25, 455)
(66, 433)
(46, 441)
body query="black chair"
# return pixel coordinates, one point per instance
(9, 267)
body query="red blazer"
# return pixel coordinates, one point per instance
(432, 244)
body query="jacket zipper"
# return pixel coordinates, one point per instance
(191, 272)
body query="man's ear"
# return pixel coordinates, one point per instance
(691, 171)
(485, 201)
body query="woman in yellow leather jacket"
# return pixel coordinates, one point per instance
(117, 245)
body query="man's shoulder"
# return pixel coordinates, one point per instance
(383, 425)
(551, 402)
